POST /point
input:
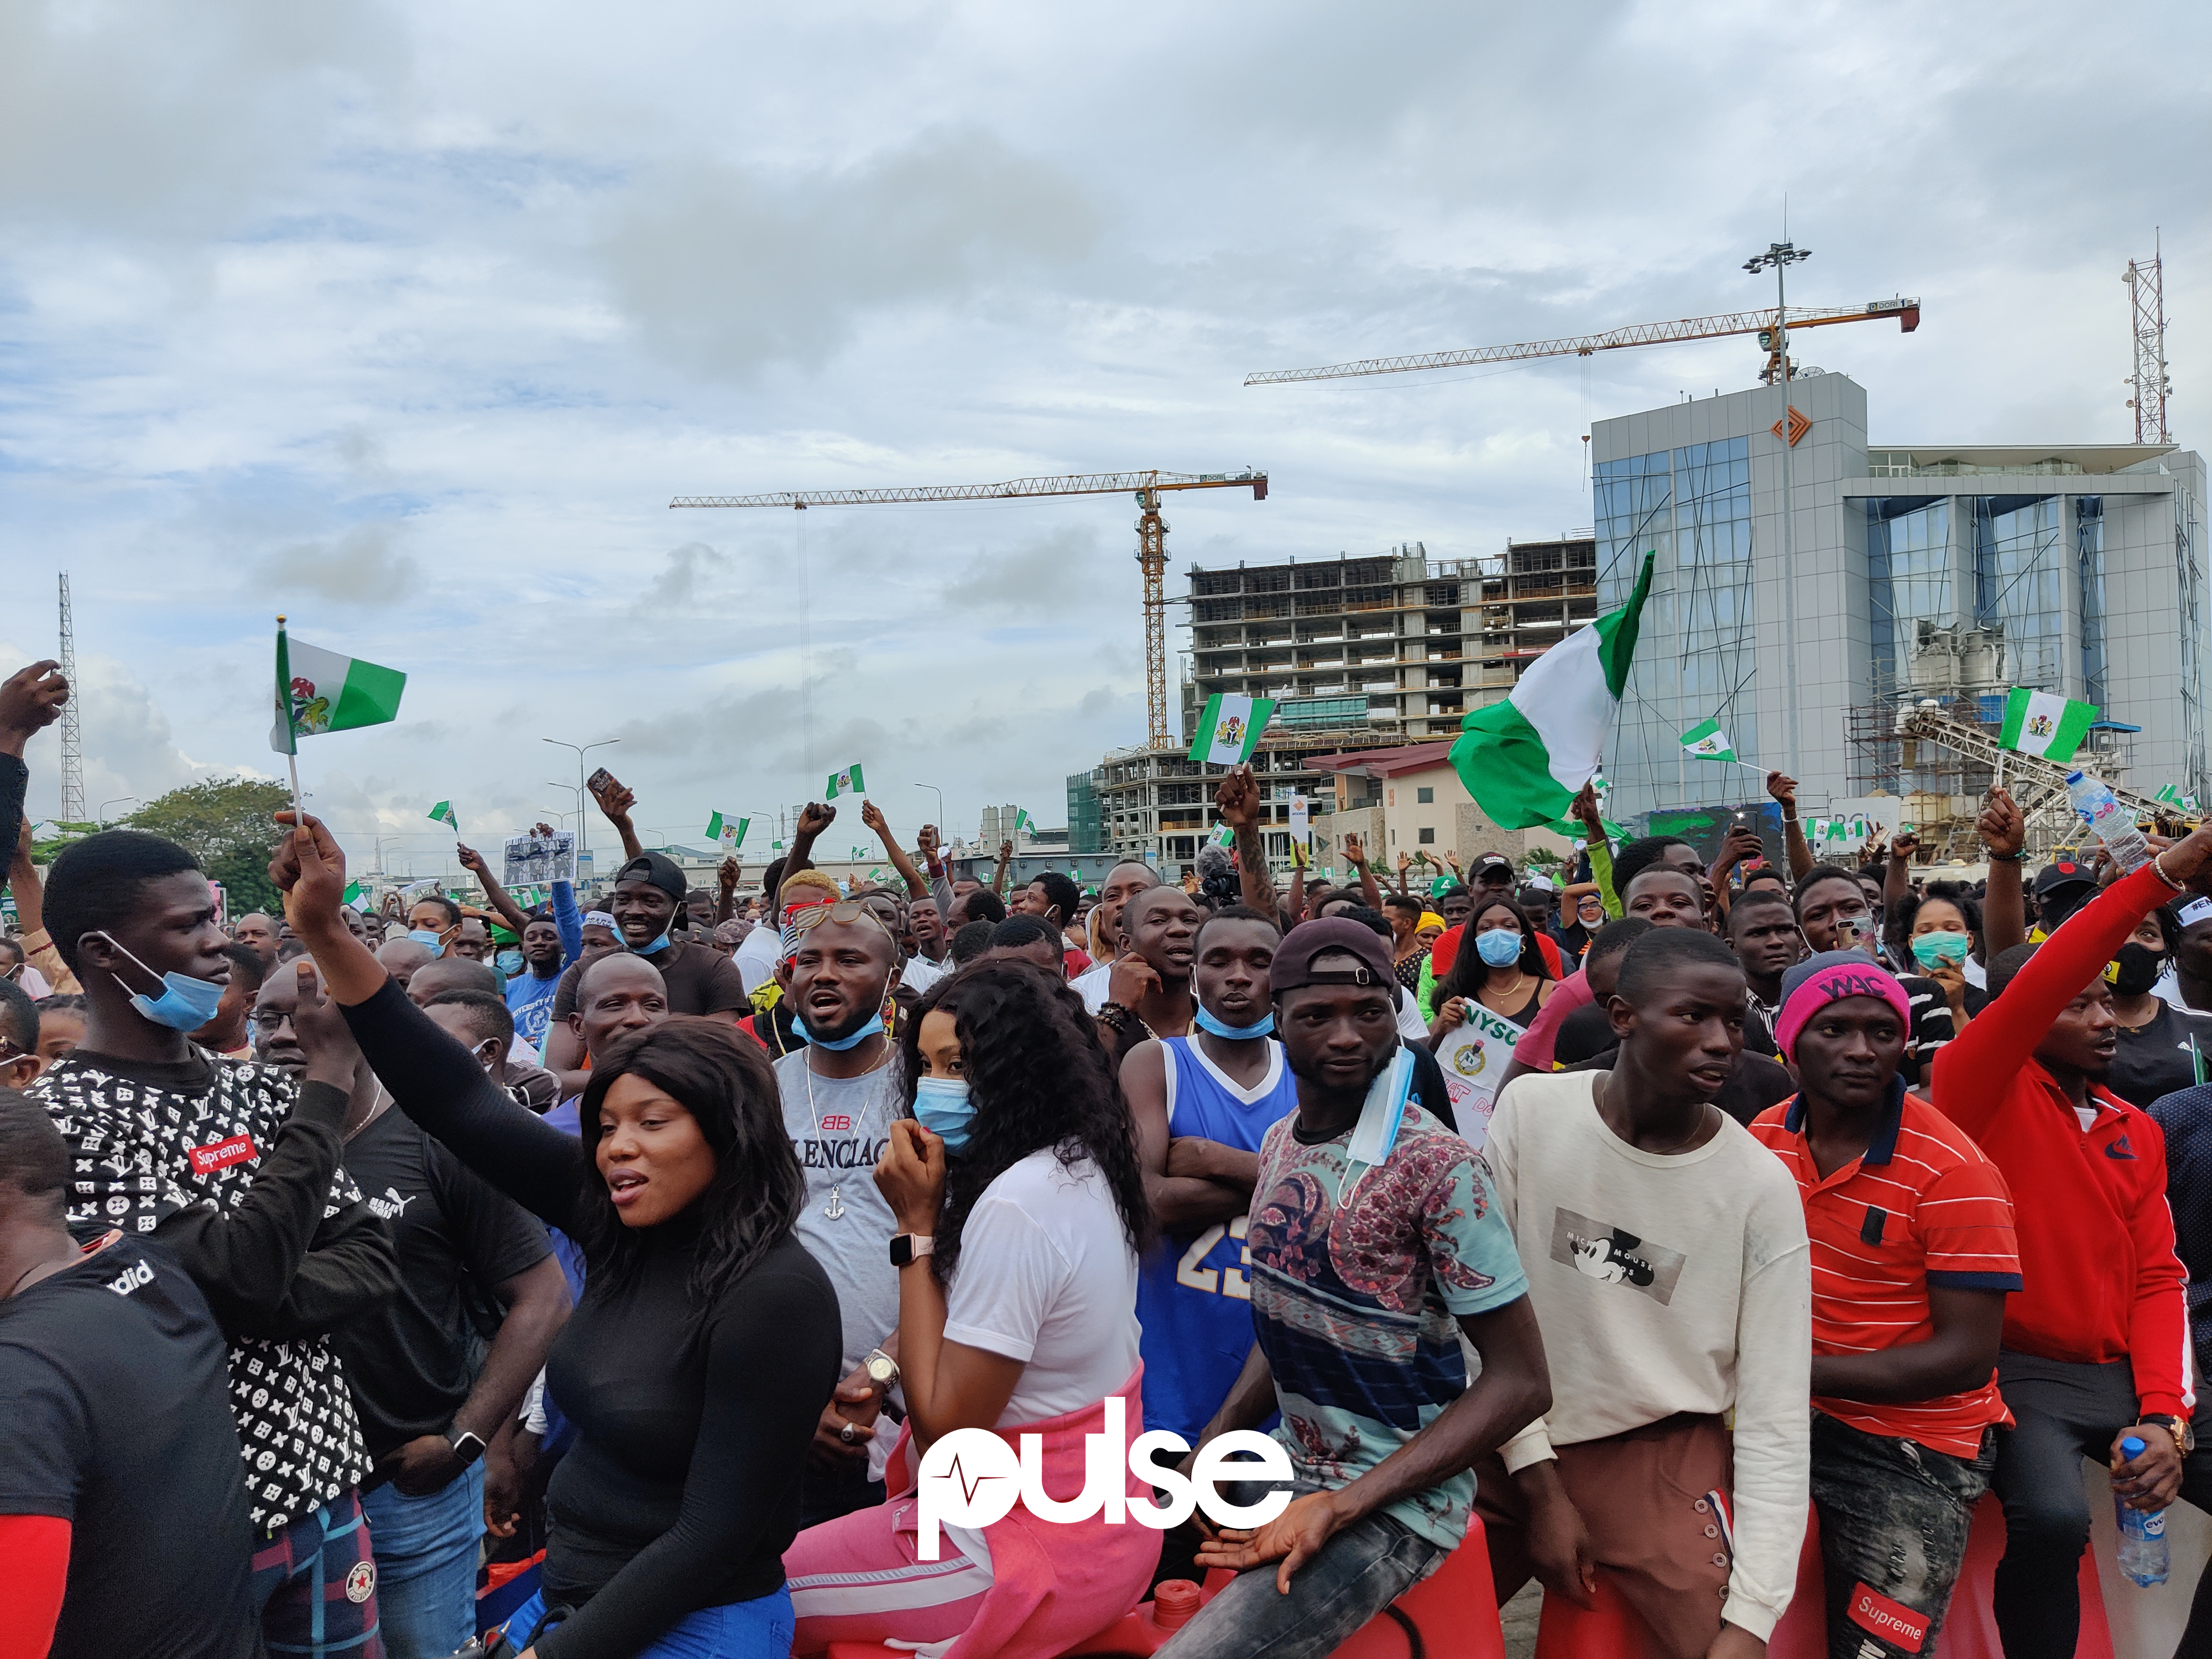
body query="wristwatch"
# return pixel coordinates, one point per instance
(911, 1247)
(467, 1446)
(883, 1370)
(2184, 1438)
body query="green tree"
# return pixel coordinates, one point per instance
(227, 824)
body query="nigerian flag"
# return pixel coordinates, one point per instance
(729, 832)
(1229, 728)
(1024, 822)
(1708, 742)
(2043, 723)
(443, 813)
(2172, 795)
(846, 782)
(1525, 759)
(318, 691)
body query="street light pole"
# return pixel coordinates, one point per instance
(583, 819)
(1781, 256)
(939, 794)
(105, 805)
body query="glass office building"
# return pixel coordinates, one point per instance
(1945, 571)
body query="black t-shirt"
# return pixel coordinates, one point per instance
(2157, 1060)
(411, 1363)
(115, 1417)
(701, 980)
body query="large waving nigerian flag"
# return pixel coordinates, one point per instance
(1525, 759)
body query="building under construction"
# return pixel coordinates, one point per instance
(1358, 653)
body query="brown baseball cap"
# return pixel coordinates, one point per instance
(1293, 967)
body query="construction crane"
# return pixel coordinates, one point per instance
(1152, 534)
(1761, 322)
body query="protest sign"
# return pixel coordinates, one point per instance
(1474, 1057)
(533, 860)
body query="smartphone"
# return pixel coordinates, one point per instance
(600, 782)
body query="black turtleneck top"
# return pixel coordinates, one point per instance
(693, 1421)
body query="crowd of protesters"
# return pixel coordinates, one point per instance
(641, 1245)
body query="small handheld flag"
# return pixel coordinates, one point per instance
(2043, 723)
(1708, 742)
(443, 813)
(319, 691)
(846, 782)
(1022, 823)
(1229, 728)
(729, 832)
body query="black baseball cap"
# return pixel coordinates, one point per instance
(2063, 872)
(655, 870)
(1292, 967)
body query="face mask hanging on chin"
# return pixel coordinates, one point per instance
(186, 1004)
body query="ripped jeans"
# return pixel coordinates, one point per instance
(1894, 1516)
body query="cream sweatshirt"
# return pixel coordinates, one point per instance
(1666, 1284)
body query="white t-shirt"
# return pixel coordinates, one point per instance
(755, 955)
(1046, 1276)
(1090, 985)
(919, 973)
(1411, 1026)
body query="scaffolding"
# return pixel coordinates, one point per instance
(1942, 756)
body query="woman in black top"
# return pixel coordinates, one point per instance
(2162, 1047)
(697, 1363)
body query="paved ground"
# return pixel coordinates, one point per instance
(1519, 1618)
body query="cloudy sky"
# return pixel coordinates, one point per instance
(408, 320)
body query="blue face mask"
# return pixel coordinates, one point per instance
(510, 962)
(941, 1106)
(1500, 947)
(656, 947)
(186, 1004)
(873, 1027)
(1221, 1028)
(434, 943)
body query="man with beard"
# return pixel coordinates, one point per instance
(1149, 989)
(1380, 1423)
(839, 1099)
(2096, 1346)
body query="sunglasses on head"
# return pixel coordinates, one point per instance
(843, 910)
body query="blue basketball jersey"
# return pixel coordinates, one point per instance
(1193, 1299)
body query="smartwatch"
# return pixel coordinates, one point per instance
(467, 1446)
(883, 1370)
(907, 1247)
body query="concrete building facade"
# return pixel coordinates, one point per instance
(1949, 572)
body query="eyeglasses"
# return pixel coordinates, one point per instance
(843, 910)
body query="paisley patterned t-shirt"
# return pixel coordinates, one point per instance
(1356, 1274)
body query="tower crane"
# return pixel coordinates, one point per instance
(1152, 534)
(1760, 323)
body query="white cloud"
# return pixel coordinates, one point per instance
(409, 320)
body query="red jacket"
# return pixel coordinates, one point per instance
(2096, 1238)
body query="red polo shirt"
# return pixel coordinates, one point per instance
(1921, 1207)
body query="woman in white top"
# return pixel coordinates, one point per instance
(1021, 1212)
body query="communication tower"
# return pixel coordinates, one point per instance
(2146, 281)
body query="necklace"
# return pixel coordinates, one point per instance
(1511, 996)
(834, 1209)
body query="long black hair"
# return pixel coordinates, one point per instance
(1038, 1078)
(1468, 970)
(751, 1206)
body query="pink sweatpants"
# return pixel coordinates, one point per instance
(859, 1579)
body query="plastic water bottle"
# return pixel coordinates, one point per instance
(2142, 1552)
(2113, 823)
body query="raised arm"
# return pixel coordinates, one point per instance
(1006, 863)
(872, 816)
(1785, 791)
(432, 1078)
(1596, 844)
(496, 895)
(2004, 906)
(1974, 1070)
(725, 889)
(569, 920)
(814, 820)
(1355, 854)
(615, 804)
(1237, 800)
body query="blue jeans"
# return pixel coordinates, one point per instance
(1359, 1571)
(758, 1629)
(426, 1564)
